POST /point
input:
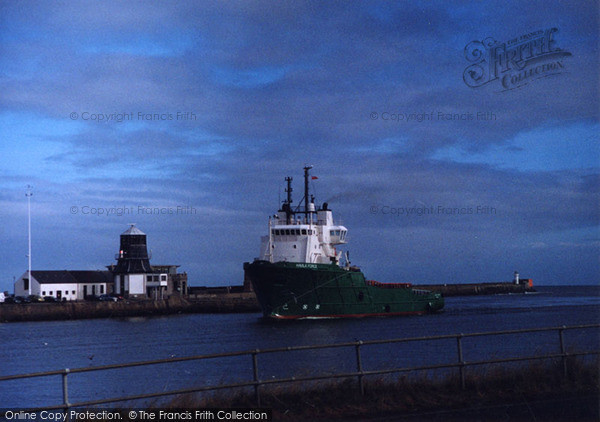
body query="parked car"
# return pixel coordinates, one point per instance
(2, 297)
(92, 298)
(24, 299)
(107, 298)
(117, 296)
(13, 299)
(35, 298)
(50, 299)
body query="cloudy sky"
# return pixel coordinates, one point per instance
(133, 106)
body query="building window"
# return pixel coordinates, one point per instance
(304, 231)
(72, 291)
(43, 293)
(163, 277)
(102, 289)
(50, 293)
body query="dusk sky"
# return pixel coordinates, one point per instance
(202, 108)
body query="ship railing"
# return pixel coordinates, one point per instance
(360, 373)
(391, 285)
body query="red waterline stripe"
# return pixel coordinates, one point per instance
(347, 315)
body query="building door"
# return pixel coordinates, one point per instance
(94, 290)
(85, 292)
(58, 294)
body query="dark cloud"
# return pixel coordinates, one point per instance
(273, 86)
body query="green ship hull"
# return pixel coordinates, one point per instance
(288, 290)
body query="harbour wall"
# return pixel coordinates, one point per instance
(474, 289)
(222, 302)
(213, 303)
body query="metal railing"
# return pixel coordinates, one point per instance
(359, 374)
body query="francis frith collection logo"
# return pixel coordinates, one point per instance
(516, 62)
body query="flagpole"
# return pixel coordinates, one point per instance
(28, 195)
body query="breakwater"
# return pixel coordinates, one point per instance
(221, 302)
(473, 289)
(210, 303)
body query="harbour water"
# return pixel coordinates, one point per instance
(43, 346)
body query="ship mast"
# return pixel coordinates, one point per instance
(287, 207)
(306, 211)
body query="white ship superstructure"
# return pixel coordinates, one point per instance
(307, 235)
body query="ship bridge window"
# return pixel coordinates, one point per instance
(304, 231)
(287, 232)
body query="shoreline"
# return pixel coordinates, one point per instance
(215, 303)
(238, 302)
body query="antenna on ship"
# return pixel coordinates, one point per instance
(287, 207)
(306, 210)
(28, 194)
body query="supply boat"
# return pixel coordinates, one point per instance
(299, 273)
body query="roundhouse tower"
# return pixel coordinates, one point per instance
(132, 263)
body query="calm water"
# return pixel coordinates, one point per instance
(43, 346)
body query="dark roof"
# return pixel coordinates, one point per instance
(65, 276)
(132, 230)
(92, 276)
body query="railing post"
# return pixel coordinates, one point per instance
(359, 369)
(255, 372)
(65, 389)
(563, 351)
(460, 360)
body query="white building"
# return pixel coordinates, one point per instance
(65, 285)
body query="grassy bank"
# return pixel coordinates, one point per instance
(536, 392)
